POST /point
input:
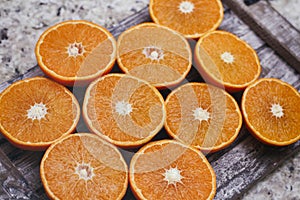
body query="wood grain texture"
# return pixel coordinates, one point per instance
(237, 167)
(272, 27)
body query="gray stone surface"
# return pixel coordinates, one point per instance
(21, 23)
(282, 184)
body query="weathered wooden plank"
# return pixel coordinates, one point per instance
(254, 159)
(13, 183)
(271, 27)
(235, 25)
(232, 165)
(34, 71)
(137, 18)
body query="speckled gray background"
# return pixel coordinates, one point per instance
(22, 21)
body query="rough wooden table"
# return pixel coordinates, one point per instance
(237, 167)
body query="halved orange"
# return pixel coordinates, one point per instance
(226, 61)
(202, 116)
(76, 51)
(35, 112)
(123, 109)
(154, 53)
(168, 169)
(84, 166)
(192, 18)
(271, 110)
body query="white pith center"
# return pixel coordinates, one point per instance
(76, 49)
(37, 111)
(227, 57)
(84, 171)
(154, 53)
(186, 7)
(172, 176)
(123, 108)
(277, 110)
(201, 114)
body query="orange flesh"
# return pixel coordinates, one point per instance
(58, 169)
(257, 108)
(62, 112)
(218, 131)
(243, 70)
(147, 109)
(96, 50)
(206, 16)
(173, 65)
(151, 162)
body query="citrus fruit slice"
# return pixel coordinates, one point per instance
(226, 61)
(192, 18)
(125, 110)
(75, 51)
(35, 112)
(84, 166)
(203, 116)
(168, 169)
(271, 111)
(154, 53)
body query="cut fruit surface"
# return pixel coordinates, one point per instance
(192, 18)
(226, 61)
(76, 52)
(168, 169)
(202, 116)
(271, 111)
(154, 53)
(35, 112)
(123, 109)
(84, 166)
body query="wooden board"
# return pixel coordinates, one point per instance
(237, 168)
(282, 36)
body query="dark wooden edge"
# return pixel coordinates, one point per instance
(283, 37)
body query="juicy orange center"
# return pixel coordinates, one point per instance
(123, 108)
(277, 110)
(84, 171)
(186, 7)
(76, 49)
(153, 53)
(37, 111)
(227, 57)
(172, 176)
(201, 114)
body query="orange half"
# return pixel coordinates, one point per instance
(168, 169)
(154, 53)
(123, 109)
(226, 61)
(271, 111)
(35, 112)
(83, 166)
(192, 18)
(203, 116)
(76, 52)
